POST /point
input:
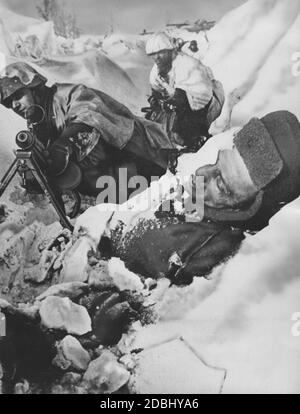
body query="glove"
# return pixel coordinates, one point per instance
(166, 89)
(63, 171)
(153, 102)
(155, 99)
(179, 99)
(59, 156)
(63, 148)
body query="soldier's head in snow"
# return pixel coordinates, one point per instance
(161, 48)
(262, 170)
(20, 85)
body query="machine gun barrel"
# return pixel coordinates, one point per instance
(27, 141)
(31, 157)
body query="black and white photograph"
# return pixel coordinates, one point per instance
(149, 199)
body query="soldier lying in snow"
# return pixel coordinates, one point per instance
(256, 172)
(87, 133)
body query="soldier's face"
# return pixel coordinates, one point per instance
(22, 103)
(227, 183)
(163, 60)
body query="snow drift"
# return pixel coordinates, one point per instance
(240, 319)
(250, 52)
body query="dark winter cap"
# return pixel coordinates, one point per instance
(270, 148)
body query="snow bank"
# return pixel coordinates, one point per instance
(16, 22)
(35, 42)
(241, 320)
(250, 52)
(95, 70)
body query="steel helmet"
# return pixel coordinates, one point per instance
(18, 76)
(158, 42)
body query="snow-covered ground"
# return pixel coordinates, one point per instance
(240, 320)
(251, 52)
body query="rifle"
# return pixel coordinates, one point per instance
(30, 157)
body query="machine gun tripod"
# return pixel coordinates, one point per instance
(30, 158)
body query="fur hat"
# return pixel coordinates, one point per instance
(270, 148)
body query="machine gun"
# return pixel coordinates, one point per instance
(30, 157)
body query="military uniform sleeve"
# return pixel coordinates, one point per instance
(95, 109)
(195, 79)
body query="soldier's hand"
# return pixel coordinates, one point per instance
(168, 90)
(153, 101)
(58, 159)
(179, 99)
